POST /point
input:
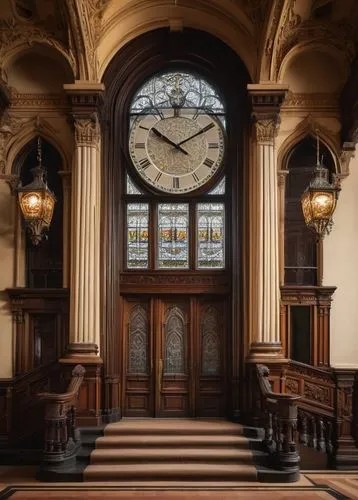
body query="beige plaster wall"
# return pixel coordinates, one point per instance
(7, 256)
(340, 257)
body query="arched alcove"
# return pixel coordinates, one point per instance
(44, 263)
(301, 260)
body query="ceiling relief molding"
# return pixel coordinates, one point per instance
(18, 36)
(269, 35)
(85, 18)
(294, 34)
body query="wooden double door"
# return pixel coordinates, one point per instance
(174, 356)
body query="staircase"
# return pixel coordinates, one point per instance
(172, 451)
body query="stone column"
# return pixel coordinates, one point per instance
(263, 213)
(85, 304)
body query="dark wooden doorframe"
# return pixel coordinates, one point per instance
(192, 389)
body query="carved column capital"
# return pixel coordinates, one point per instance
(266, 130)
(266, 101)
(281, 177)
(87, 131)
(86, 100)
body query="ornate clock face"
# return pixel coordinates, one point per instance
(177, 151)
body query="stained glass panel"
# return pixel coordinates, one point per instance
(175, 341)
(219, 188)
(138, 341)
(177, 90)
(210, 236)
(210, 341)
(173, 236)
(131, 188)
(137, 235)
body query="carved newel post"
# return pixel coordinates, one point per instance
(263, 211)
(84, 336)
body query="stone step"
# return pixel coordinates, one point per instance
(206, 454)
(171, 472)
(136, 441)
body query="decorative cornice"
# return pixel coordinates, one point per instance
(38, 101)
(85, 98)
(309, 101)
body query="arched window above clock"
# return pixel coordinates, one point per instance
(175, 183)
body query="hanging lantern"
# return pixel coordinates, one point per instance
(36, 201)
(319, 200)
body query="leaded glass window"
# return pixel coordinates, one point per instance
(177, 89)
(173, 237)
(175, 341)
(137, 235)
(210, 236)
(138, 341)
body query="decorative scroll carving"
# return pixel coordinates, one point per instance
(317, 393)
(138, 340)
(210, 341)
(173, 279)
(9, 126)
(87, 132)
(175, 341)
(292, 386)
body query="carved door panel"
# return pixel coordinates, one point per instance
(174, 357)
(174, 360)
(211, 365)
(137, 361)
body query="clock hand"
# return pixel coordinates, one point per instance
(166, 139)
(205, 129)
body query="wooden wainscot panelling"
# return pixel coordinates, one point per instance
(40, 319)
(319, 299)
(346, 453)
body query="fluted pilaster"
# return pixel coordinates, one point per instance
(85, 240)
(263, 210)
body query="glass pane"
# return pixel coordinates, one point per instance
(175, 341)
(219, 188)
(137, 235)
(173, 236)
(131, 188)
(138, 341)
(210, 235)
(210, 342)
(176, 89)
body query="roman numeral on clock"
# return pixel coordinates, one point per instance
(209, 163)
(140, 145)
(175, 182)
(159, 174)
(213, 145)
(144, 163)
(195, 177)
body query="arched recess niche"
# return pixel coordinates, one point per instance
(302, 253)
(155, 51)
(44, 263)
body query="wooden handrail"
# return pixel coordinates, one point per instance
(280, 412)
(61, 438)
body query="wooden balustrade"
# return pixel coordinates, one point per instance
(61, 441)
(280, 424)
